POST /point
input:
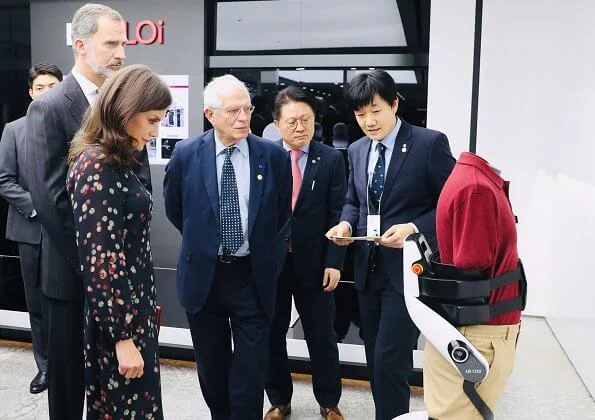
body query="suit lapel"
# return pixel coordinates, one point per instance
(208, 165)
(315, 159)
(397, 159)
(258, 176)
(78, 100)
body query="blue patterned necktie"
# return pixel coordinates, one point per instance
(375, 192)
(377, 184)
(232, 237)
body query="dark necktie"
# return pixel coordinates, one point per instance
(377, 183)
(231, 221)
(375, 193)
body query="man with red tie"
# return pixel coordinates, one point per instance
(312, 267)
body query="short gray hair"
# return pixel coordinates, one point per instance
(84, 22)
(218, 86)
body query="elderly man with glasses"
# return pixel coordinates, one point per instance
(228, 192)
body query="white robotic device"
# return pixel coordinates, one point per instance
(451, 344)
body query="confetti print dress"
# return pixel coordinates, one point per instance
(112, 213)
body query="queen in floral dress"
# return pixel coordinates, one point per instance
(112, 214)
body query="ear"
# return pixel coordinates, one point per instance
(31, 93)
(209, 114)
(395, 105)
(276, 123)
(80, 46)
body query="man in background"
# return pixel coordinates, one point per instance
(22, 224)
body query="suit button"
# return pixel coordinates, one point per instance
(287, 238)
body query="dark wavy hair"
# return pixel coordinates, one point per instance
(131, 90)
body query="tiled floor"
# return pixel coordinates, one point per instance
(544, 385)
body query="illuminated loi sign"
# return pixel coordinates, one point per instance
(145, 32)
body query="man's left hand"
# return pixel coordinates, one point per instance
(395, 236)
(330, 279)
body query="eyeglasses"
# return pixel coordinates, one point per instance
(292, 124)
(235, 112)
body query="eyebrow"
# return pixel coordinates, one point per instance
(114, 41)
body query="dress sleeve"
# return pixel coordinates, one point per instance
(98, 201)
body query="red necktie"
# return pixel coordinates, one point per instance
(296, 154)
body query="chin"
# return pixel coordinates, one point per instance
(376, 136)
(242, 134)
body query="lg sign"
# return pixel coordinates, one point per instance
(145, 32)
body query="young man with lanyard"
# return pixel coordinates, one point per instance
(396, 173)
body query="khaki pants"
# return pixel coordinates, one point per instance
(443, 385)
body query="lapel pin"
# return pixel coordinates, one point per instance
(404, 148)
(259, 177)
(318, 158)
(313, 161)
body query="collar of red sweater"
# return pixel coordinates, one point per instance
(468, 158)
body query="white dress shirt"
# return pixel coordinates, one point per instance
(89, 88)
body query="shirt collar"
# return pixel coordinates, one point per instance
(305, 149)
(471, 159)
(389, 140)
(88, 87)
(241, 145)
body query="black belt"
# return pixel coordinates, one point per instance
(232, 259)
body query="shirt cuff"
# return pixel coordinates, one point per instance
(415, 229)
(33, 214)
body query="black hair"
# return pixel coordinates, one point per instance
(292, 94)
(362, 88)
(44, 68)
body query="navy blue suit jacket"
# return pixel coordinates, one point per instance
(317, 209)
(413, 183)
(192, 205)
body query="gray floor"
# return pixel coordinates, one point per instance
(544, 385)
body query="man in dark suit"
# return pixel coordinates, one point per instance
(311, 270)
(98, 39)
(228, 192)
(396, 174)
(22, 224)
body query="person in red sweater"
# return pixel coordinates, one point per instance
(475, 228)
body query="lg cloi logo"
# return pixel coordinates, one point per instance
(145, 32)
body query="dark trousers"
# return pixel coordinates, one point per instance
(29, 254)
(66, 374)
(389, 338)
(232, 383)
(317, 310)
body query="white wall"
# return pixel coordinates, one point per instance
(450, 70)
(536, 123)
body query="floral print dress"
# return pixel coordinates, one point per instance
(112, 213)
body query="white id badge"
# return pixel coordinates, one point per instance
(373, 225)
